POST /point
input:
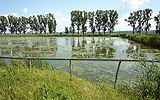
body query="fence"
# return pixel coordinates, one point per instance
(81, 59)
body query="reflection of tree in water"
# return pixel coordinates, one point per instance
(94, 49)
(80, 50)
(32, 48)
(134, 51)
(104, 49)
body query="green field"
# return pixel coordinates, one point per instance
(40, 83)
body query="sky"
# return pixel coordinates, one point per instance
(62, 8)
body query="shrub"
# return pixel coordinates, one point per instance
(148, 81)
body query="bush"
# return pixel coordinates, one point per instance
(148, 81)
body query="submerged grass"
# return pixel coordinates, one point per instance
(40, 83)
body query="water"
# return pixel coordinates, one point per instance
(82, 47)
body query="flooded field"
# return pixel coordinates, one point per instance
(82, 47)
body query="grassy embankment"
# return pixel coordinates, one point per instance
(40, 83)
(149, 39)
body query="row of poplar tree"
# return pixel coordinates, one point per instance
(37, 24)
(99, 20)
(139, 20)
(105, 20)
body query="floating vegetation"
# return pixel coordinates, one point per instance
(81, 47)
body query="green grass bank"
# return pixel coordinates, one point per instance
(149, 39)
(16, 83)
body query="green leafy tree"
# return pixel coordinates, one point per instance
(66, 30)
(84, 21)
(132, 20)
(45, 22)
(78, 19)
(112, 20)
(98, 20)
(24, 24)
(3, 24)
(54, 26)
(31, 23)
(10, 24)
(147, 13)
(105, 21)
(157, 20)
(140, 20)
(35, 24)
(91, 18)
(51, 23)
(20, 28)
(41, 26)
(15, 24)
(73, 21)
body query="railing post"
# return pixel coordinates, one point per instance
(70, 66)
(117, 74)
(30, 64)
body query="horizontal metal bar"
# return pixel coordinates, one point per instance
(82, 59)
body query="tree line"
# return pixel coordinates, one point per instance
(37, 24)
(105, 20)
(139, 21)
(100, 20)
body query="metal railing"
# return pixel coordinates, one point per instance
(81, 59)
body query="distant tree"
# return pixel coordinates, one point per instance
(98, 20)
(10, 24)
(3, 24)
(147, 13)
(40, 22)
(112, 20)
(35, 24)
(84, 21)
(45, 22)
(105, 20)
(50, 22)
(157, 20)
(78, 19)
(132, 19)
(70, 30)
(54, 25)
(140, 20)
(15, 24)
(24, 24)
(20, 28)
(66, 30)
(31, 23)
(91, 18)
(73, 21)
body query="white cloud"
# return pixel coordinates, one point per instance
(122, 24)
(57, 14)
(153, 23)
(14, 14)
(135, 3)
(25, 10)
(62, 23)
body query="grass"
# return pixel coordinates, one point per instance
(149, 39)
(40, 83)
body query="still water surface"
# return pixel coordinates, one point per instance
(82, 47)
